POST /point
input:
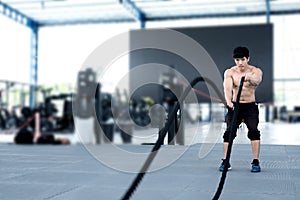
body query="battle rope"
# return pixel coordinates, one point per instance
(203, 94)
(232, 130)
(163, 132)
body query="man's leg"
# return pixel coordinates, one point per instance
(226, 138)
(252, 120)
(225, 148)
(226, 144)
(254, 136)
(255, 148)
(222, 166)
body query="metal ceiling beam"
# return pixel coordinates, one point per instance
(17, 16)
(85, 21)
(200, 16)
(135, 11)
(152, 19)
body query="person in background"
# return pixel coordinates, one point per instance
(30, 131)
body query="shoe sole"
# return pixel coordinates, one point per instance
(256, 170)
(227, 170)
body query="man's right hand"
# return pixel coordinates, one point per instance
(230, 105)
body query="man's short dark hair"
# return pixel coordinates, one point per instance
(241, 52)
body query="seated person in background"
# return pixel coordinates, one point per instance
(30, 131)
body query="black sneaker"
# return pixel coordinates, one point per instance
(255, 166)
(222, 166)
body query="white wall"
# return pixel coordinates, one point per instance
(63, 50)
(14, 51)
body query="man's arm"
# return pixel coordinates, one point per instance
(228, 86)
(255, 77)
(37, 130)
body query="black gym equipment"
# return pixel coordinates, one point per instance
(104, 123)
(98, 111)
(4, 116)
(84, 98)
(172, 87)
(107, 127)
(171, 100)
(66, 121)
(139, 112)
(124, 125)
(7, 118)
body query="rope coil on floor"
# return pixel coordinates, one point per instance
(163, 132)
(233, 130)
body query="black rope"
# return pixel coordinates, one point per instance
(163, 132)
(232, 130)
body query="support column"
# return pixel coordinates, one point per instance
(268, 11)
(33, 68)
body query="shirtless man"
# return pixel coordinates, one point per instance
(248, 109)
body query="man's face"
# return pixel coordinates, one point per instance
(241, 62)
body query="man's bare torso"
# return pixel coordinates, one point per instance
(248, 91)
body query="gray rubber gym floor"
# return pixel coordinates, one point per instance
(72, 172)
